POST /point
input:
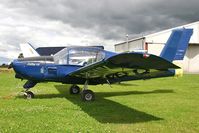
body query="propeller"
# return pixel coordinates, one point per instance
(10, 65)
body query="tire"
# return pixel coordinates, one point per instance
(74, 89)
(29, 95)
(87, 95)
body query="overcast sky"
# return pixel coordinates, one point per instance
(86, 22)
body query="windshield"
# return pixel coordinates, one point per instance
(61, 56)
(79, 56)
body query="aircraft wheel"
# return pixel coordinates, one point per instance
(29, 95)
(74, 89)
(87, 95)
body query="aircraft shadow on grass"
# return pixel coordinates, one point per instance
(105, 110)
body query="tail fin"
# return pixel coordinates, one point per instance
(28, 50)
(177, 44)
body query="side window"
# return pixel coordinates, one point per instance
(100, 56)
(63, 60)
(61, 57)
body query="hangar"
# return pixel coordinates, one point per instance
(154, 43)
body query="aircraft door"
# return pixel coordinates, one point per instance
(50, 72)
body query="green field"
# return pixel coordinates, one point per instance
(167, 105)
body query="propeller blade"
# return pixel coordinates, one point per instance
(10, 66)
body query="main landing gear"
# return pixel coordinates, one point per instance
(74, 89)
(86, 95)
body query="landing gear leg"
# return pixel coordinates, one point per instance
(28, 94)
(87, 95)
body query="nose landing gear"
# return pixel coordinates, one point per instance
(28, 94)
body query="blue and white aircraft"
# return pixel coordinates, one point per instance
(92, 65)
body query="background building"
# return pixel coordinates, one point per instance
(154, 44)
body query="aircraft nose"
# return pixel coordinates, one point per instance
(18, 66)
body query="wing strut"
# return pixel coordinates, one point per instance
(108, 83)
(86, 85)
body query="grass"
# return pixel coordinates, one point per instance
(165, 105)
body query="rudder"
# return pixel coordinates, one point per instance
(176, 46)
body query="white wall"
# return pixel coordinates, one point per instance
(155, 48)
(137, 44)
(193, 59)
(121, 48)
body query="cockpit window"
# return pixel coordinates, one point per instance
(79, 56)
(84, 56)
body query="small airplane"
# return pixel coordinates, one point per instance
(92, 66)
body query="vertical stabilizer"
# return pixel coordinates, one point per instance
(176, 46)
(28, 50)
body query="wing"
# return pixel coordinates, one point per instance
(121, 65)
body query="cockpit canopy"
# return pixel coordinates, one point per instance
(79, 56)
